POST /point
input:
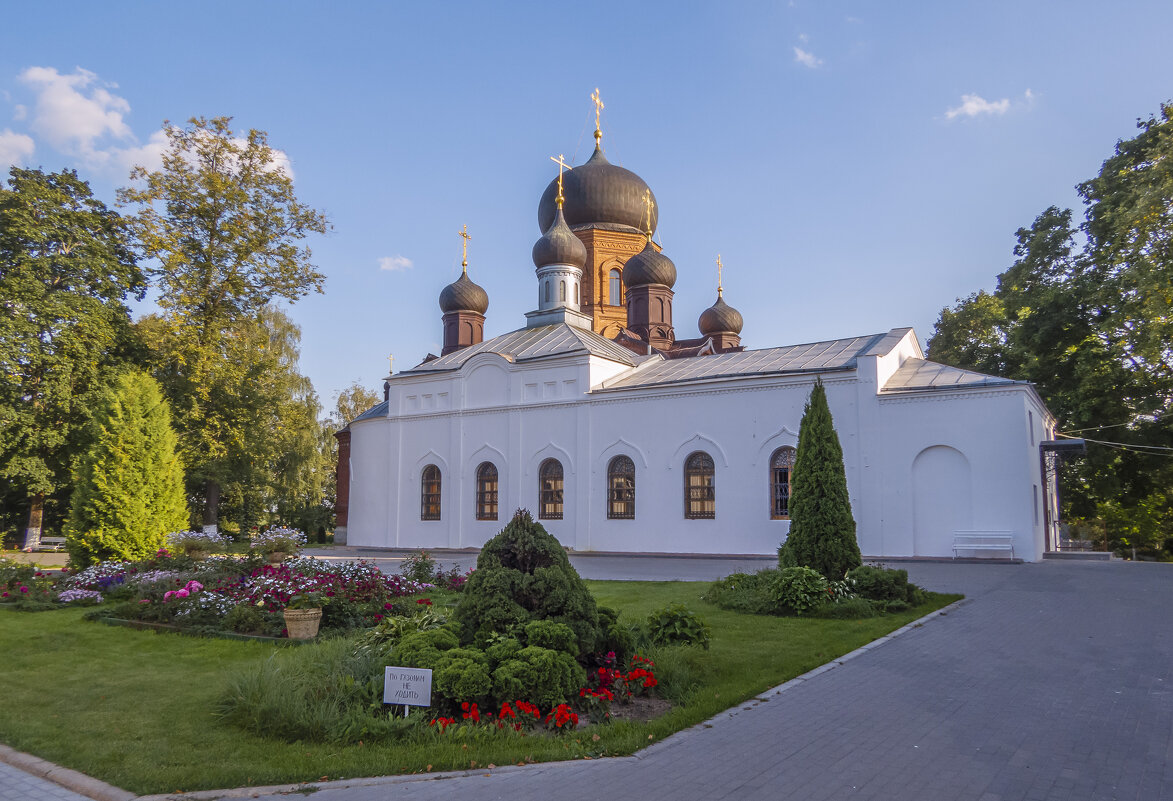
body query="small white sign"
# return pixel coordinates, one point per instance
(409, 686)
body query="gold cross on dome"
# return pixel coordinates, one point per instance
(561, 166)
(390, 363)
(598, 101)
(649, 204)
(464, 257)
(718, 275)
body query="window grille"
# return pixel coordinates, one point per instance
(430, 493)
(486, 498)
(700, 492)
(781, 469)
(621, 489)
(550, 497)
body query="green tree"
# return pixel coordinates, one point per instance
(225, 228)
(822, 529)
(65, 271)
(1084, 314)
(128, 491)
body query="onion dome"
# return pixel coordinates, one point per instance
(599, 193)
(463, 295)
(559, 245)
(720, 318)
(649, 266)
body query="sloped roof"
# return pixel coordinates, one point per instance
(533, 343)
(921, 374)
(815, 357)
(378, 410)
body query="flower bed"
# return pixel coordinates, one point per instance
(237, 594)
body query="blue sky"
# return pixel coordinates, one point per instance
(858, 165)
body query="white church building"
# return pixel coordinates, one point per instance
(619, 437)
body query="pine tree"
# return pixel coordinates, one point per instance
(822, 529)
(128, 489)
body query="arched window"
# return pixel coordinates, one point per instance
(487, 491)
(550, 490)
(430, 493)
(781, 468)
(615, 289)
(547, 291)
(621, 489)
(700, 494)
(562, 291)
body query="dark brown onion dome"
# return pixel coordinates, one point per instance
(720, 318)
(649, 266)
(463, 295)
(598, 192)
(559, 246)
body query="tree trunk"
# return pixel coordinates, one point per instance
(212, 507)
(32, 534)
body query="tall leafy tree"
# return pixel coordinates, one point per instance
(129, 485)
(822, 528)
(225, 230)
(1084, 313)
(65, 271)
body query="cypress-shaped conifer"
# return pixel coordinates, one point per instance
(822, 529)
(128, 489)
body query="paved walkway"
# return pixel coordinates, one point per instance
(1053, 681)
(16, 785)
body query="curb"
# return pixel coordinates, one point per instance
(67, 778)
(374, 781)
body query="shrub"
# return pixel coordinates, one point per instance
(554, 676)
(885, 584)
(676, 624)
(745, 592)
(421, 567)
(251, 619)
(523, 574)
(615, 638)
(798, 590)
(555, 636)
(822, 529)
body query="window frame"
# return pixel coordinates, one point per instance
(551, 499)
(620, 498)
(486, 501)
(431, 493)
(781, 459)
(698, 493)
(614, 281)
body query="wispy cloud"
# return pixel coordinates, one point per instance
(394, 263)
(76, 111)
(15, 149)
(806, 58)
(976, 106)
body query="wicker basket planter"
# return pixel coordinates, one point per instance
(302, 624)
(276, 557)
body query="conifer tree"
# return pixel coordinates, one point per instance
(128, 489)
(822, 529)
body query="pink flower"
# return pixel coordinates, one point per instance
(167, 595)
(24, 589)
(182, 593)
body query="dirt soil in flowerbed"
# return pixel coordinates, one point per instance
(641, 709)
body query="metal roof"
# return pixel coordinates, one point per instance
(921, 374)
(814, 357)
(378, 410)
(533, 343)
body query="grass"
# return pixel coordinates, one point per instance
(135, 708)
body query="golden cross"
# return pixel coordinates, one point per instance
(390, 362)
(598, 101)
(561, 165)
(718, 275)
(464, 258)
(649, 204)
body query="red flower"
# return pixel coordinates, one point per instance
(387, 605)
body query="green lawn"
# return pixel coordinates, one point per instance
(134, 708)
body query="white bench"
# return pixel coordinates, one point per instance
(978, 541)
(51, 544)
